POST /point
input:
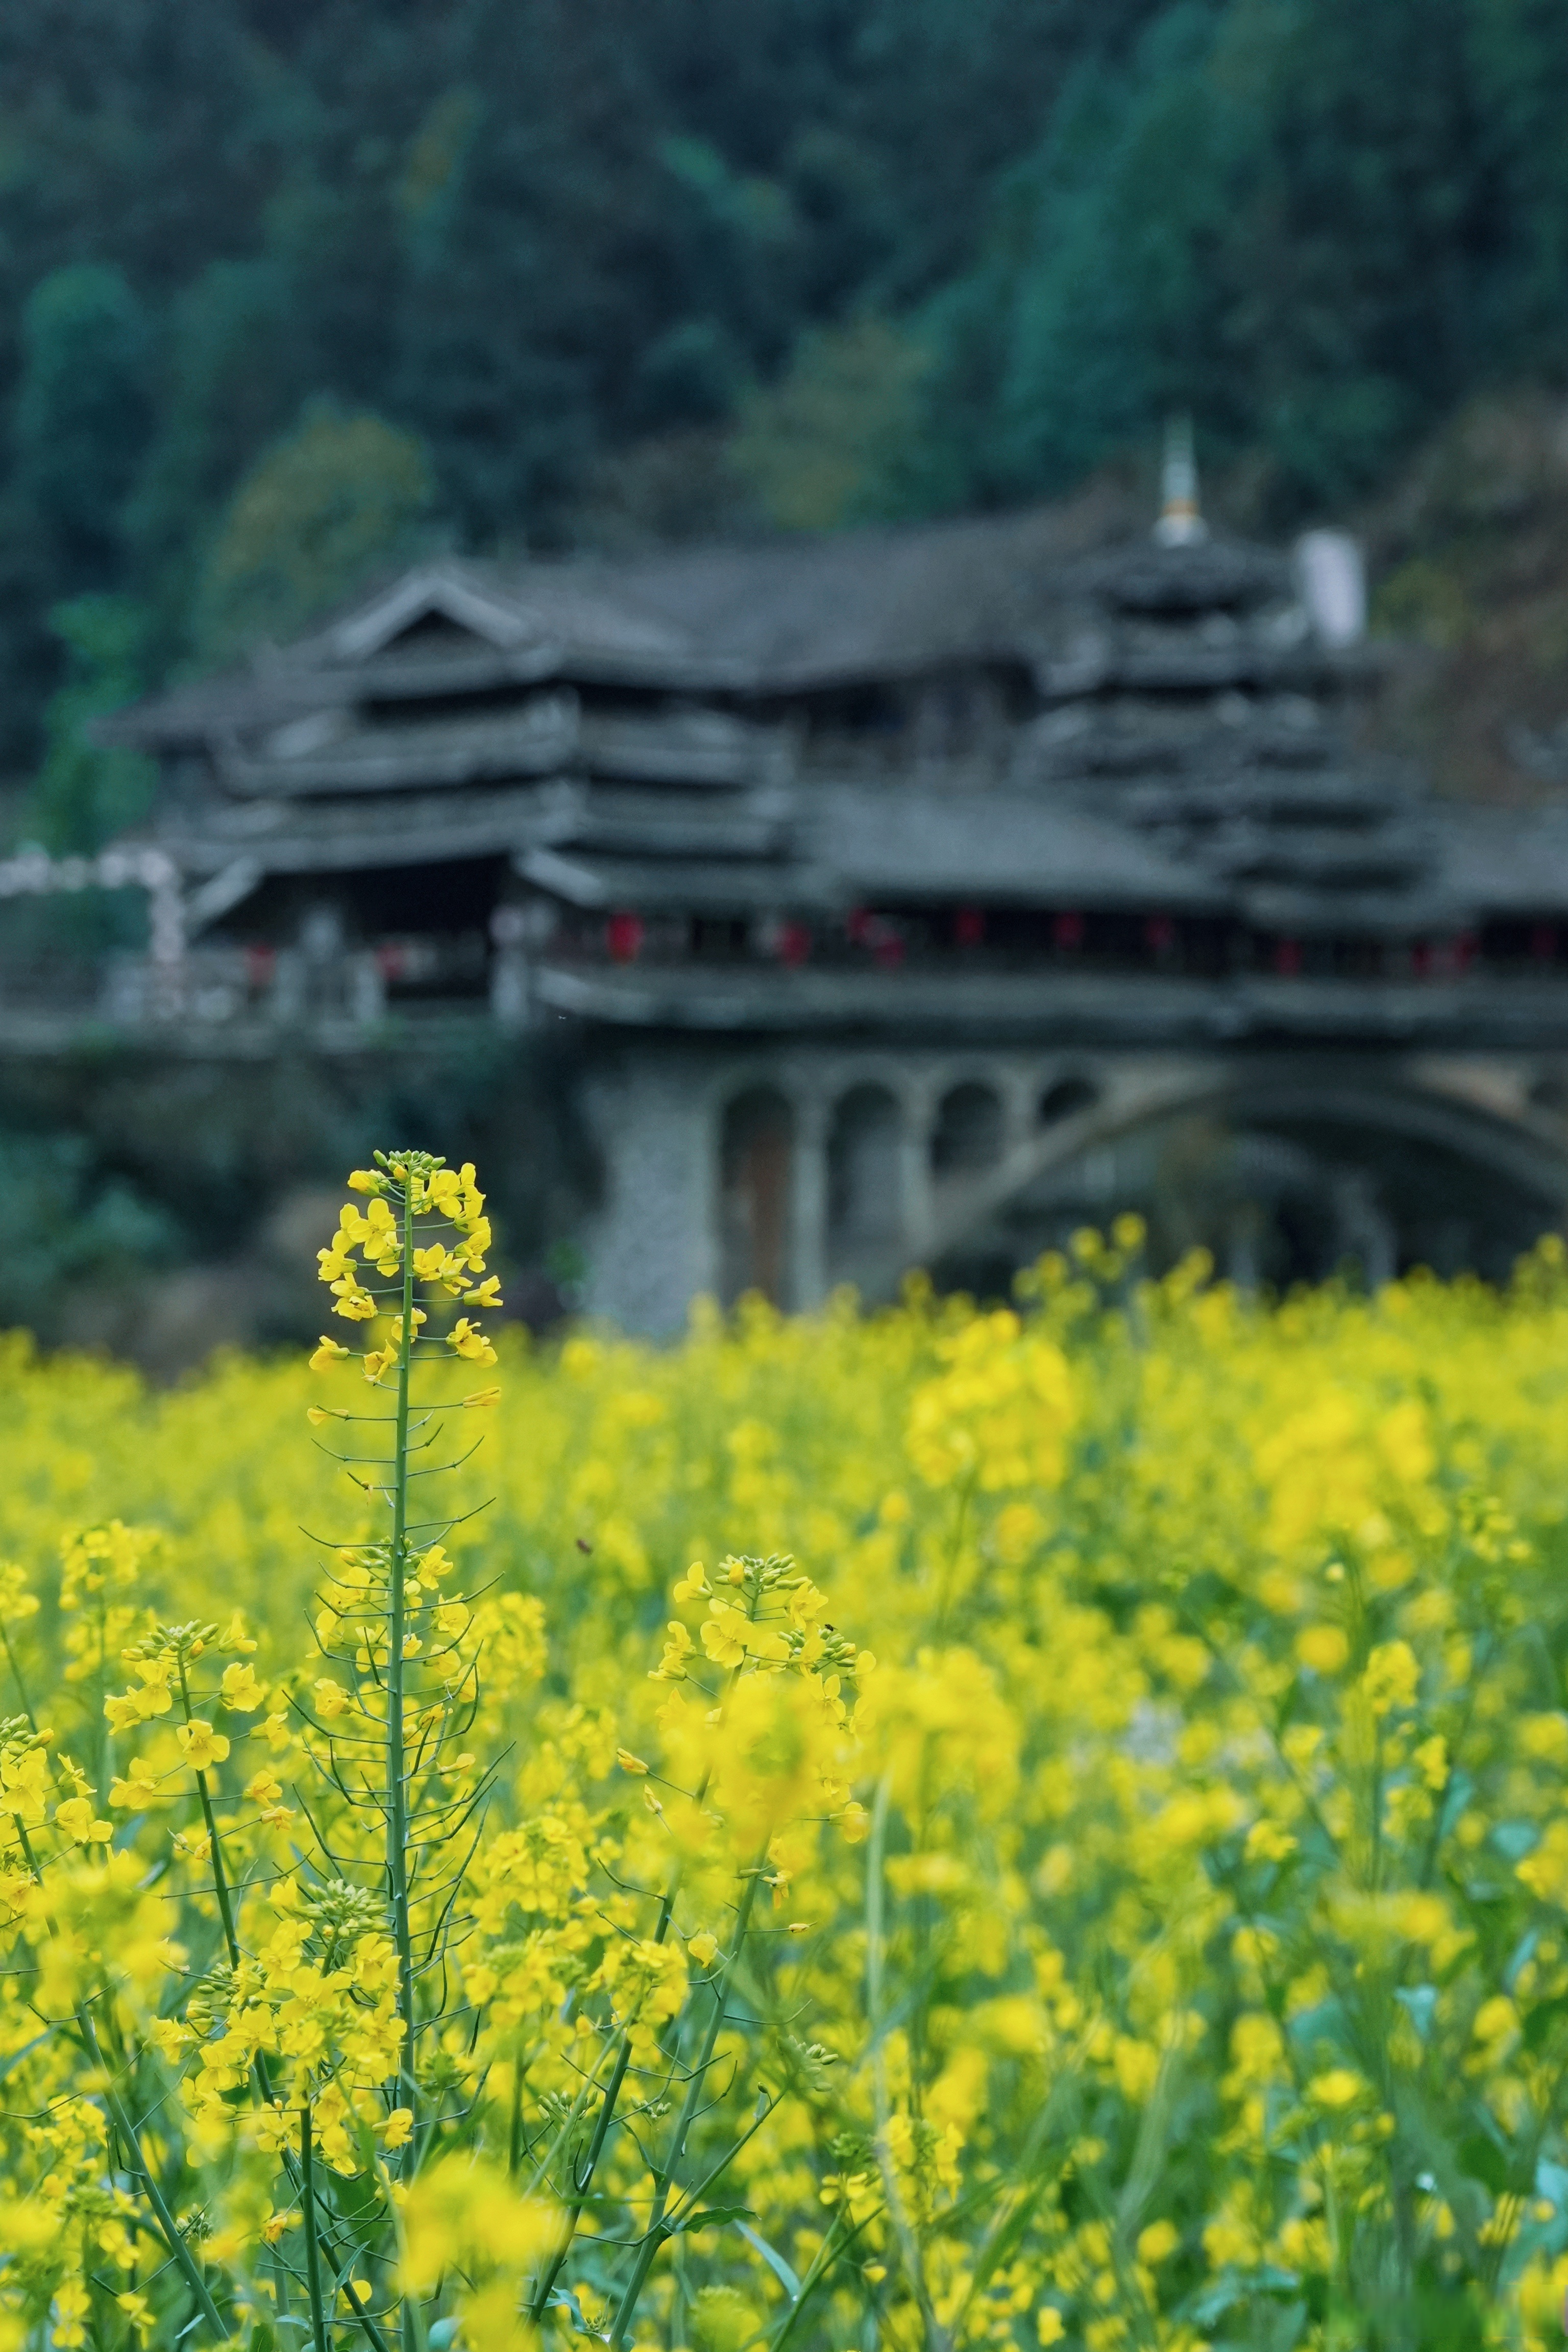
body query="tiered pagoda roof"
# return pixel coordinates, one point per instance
(836, 781)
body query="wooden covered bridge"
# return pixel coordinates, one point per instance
(911, 898)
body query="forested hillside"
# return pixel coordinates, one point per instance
(288, 289)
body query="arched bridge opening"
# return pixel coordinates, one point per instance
(1283, 1178)
(1285, 1172)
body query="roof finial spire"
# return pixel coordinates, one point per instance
(1181, 523)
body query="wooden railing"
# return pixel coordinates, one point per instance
(214, 992)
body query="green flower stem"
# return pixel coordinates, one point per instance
(168, 2228)
(826, 2254)
(280, 2280)
(601, 2133)
(30, 1858)
(312, 2245)
(612, 2093)
(654, 2234)
(666, 1913)
(103, 1739)
(514, 2135)
(17, 1678)
(215, 1843)
(396, 1783)
(936, 2336)
(345, 2279)
(260, 2067)
(220, 1877)
(341, 2262)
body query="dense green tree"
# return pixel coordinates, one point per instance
(1294, 219)
(343, 497)
(549, 238)
(547, 263)
(1111, 280)
(81, 417)
(232, 381)
(84, 793)
(1369, 236)
(1519, 63)
(149, 133)
(840, 438)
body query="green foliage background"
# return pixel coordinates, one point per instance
(293, 289)
(277, 275)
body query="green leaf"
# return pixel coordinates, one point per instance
(1485, 2162)
(711, 2216)
(786, 2277)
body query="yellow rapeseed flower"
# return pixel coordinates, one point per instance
(201, 1744)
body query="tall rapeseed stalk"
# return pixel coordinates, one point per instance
(401, 2076)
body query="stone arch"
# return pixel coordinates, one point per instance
(864, 1145)
(968, 1132)
(1065, 1097)
(1283, 1172)
(756, 1185)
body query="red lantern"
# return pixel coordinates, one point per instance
(624, 937)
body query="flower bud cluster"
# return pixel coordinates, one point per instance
(415, 1186)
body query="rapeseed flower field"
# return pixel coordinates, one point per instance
(941, 1829)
